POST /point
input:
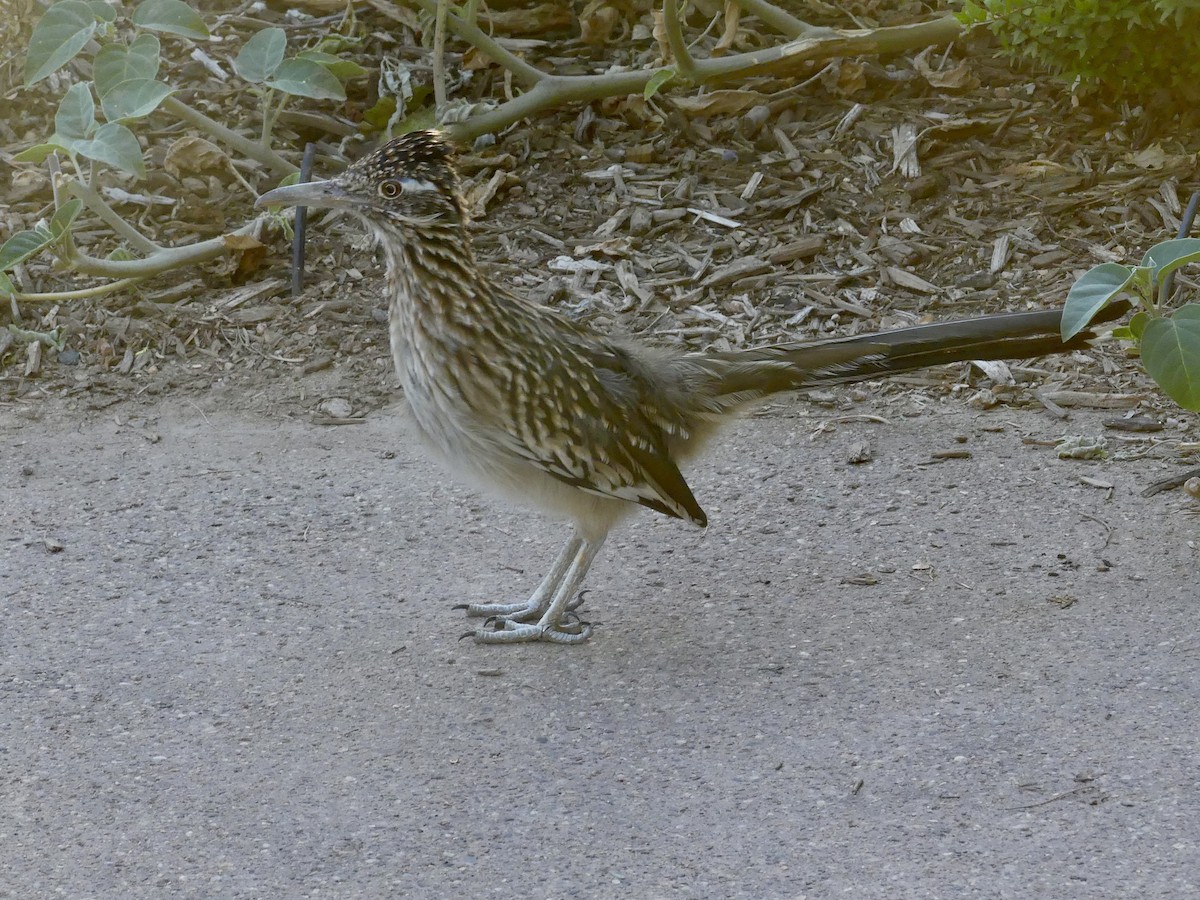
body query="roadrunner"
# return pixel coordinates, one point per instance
(526, 402)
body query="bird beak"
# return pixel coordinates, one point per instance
(312, 193)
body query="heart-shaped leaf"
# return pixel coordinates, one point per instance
(171, 17)
(23, 245)
(133, 99)
(1090, 294)
(58, 36)
(116, 63)
(75, 119)
(1172, 254)
(305, 78)
(261, 55)
(1171, 353)
(114, 144)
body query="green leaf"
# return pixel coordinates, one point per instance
(38, 153)
(75, 119)
(64, 216)
(1171, 353)
(171, 17)
(134, 99)
(102, 10)
(58, 36)
(1090, 294)
(116, 63)
(114, 144)
(418, 120)
(7, 289)
(305, 78)
(1168, 256)
(342, 69)
(1137, 324)
(261, 55)
(23, 245)
(657, 81)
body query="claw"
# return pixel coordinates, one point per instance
(514, 633)
(578, 601)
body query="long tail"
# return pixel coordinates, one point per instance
(747, 374)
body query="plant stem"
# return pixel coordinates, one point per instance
(684, 63)
(783, 22)
(243, 145)
(551, 91)
(96, 204)
(162, 260)
(439, 58)
(523, 71)
(81, 294)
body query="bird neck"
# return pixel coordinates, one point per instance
(433, 279)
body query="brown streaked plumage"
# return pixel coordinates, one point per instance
(524, 401)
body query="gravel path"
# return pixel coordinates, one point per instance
(230, 668)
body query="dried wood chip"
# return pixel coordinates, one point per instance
(1138, 424)
(904, 150)
(847, 121)
(1093, 400)
(1001, 253)
(739, 268)
(719, 103)
(714, 218)
(801, 248)
(785, 145)
(905, 279)
(995, 369)
(752, 185)
(252, 315)
(479, 198)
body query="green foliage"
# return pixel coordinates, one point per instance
(1142, 50)
(124, 59)
(658, 81)
(25, 244)
(59, 36)
(125, 75)
(1170, 341)
(171, 17)
(1171, 351)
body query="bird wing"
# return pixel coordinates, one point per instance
(585, 413)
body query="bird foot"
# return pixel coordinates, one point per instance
(515, 612)
(507, 631)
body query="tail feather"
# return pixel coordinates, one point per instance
(766, 370)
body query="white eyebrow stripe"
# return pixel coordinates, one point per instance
(417, 185)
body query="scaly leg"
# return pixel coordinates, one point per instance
(539, 601)
(549, 627)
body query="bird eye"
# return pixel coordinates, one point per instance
(389, 189)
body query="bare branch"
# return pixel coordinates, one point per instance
(96, 204)
(552, 91)
(439, 57)
(783, 22)
(160, 261)
(684, 64)
(484, 43)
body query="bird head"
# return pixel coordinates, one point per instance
(409, 181)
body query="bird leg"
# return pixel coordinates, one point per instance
(550, 626)
(539, 601)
